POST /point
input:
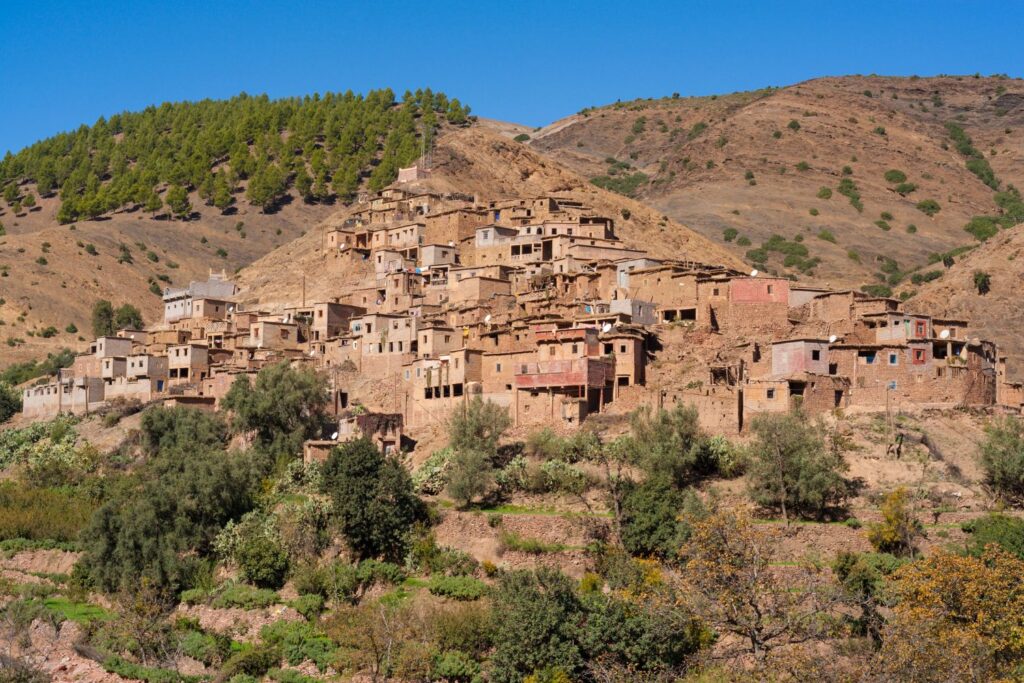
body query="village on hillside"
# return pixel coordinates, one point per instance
(534, 304)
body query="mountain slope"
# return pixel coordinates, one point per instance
(754, 163)
(479, 160)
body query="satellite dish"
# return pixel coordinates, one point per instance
(451, 244)
(487, 318)
(753, 273)
(607, 327)
(832, 339)
(334, 436)
(944, 334)
(231, 309)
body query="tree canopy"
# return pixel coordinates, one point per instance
(373, 499)
(210, 146)
(159, 524)
(284, 407)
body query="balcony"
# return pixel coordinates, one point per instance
(591, 372)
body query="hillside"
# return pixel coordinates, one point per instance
(996, 314)
(479, 160)
(140, 201)
(741, 168)
(62, 291)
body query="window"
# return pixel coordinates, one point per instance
(497, 367)
(714, 292)
(919, 356)
(608, 348)
(575, 349)
(770, 289)
(815, 354)
(622, 348)
(893, 359)
(551, 350)
(770, 394)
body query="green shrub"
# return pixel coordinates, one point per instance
(262, 561)
(729, 234)
(530, 546)
(431, 558)
(299, 641)
(240, 595)
(824, 193)
(254, 661)
(982, 282)
(37, 514)
(290, 676)
(743, 242)
(793, 125)
(522, 137)
(982, 227)
(905, 188)
(126, 669)
(849, 189)
(696, 130)
(309, 606)
(921, 278)
(1003, 530)
(656, 518)
(458, 587)
(627, 185)
(827, 236)
(813, 211)
(895, 176)
(911, 229)
(758, 255)
(455, 666)
(929, 207)
(883, 225)
(803, 166)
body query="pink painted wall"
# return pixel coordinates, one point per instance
(756, 290)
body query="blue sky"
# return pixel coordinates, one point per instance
(65, 63)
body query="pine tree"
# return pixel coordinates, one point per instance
(178, 202)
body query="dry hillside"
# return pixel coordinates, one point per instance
(62, 290)
(481, 161)
(996, 314)
(755, 162)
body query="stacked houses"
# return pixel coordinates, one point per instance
(534, 304)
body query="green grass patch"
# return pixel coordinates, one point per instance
(531, 546)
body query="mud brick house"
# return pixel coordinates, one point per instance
(384, 430)
(178, 301)
(568, 378)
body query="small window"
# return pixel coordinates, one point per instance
(770, 289)
(815, 354)
(575, 349)
(893, 359)
(622, 348)
(714, 292)
(770, 394)
(551, 350)
(497, 367)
